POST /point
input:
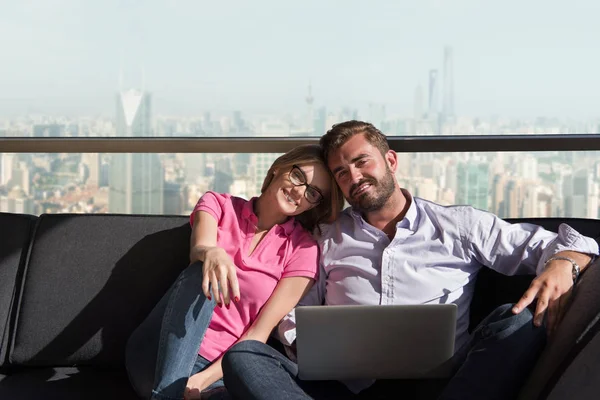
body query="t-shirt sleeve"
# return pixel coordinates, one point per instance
(212, 203)
(304, 260)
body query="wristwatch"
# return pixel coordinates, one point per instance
(574, 271)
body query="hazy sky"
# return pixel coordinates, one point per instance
(511, 57)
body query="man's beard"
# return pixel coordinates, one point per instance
(369, 202)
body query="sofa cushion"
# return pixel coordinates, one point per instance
(89, 282)
(15, 232)
(67, 383)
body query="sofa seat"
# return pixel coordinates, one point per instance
(67, 383)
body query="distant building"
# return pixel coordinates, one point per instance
(472, 182)
(91, 162)
(7, 161)
(433, 94)
(320, 120)
(136, 180)
(581, 194)
(260, 162)
(448, 105)
(223, 176)
(175, 197)
(48, 130)
(17, 201)
(194, 167)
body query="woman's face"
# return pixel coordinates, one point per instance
(299, 188)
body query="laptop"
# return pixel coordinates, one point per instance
(376, 342)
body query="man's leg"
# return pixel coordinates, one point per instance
(501, 354)
(253, 370)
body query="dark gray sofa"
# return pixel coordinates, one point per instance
(73, 287)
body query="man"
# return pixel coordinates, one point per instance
(391, 248)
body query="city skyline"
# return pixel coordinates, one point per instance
(538, 62)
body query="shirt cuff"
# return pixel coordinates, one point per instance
(286, 330)
(568, 239)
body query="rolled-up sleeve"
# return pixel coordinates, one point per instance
(568, 239)
(519, 248)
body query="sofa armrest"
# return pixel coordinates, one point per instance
(574, 333)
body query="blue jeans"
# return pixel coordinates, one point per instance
(162, 353)
(493, 365)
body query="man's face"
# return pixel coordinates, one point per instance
(365, 176)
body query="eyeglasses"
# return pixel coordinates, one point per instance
(298, 178)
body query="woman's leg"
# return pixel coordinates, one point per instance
(164, 348)
(142, 349)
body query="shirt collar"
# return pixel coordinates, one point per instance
(248, 213)
(410, 218)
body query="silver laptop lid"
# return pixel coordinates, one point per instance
(380, 342)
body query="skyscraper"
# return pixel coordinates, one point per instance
(91, 161)
(473, 183)
(433, 93)
(580, 194)
(448, 106)
(223, 175)
(8, 161)
(136, 180)
(319, 127)
(418, 103)
(309, 110)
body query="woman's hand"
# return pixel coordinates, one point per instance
(219, 273)
(196, 384)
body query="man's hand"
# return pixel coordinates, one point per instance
(552, 289)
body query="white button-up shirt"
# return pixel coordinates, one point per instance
(433, 258)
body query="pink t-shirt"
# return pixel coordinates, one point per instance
(286, 250)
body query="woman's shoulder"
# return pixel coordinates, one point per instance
(224, 198)
(302, 237)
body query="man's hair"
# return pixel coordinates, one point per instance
(342, 132)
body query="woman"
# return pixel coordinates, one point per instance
(250, 264)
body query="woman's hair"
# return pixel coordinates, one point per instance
(331, 205)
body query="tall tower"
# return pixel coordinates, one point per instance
(136, 180)
(418, 103)
(309, 109)
(433, 90)
(448, 107)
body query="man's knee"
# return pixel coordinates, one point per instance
(502, 322)
(504, 312)
(247, 348)
(242, 351)
(240, 361)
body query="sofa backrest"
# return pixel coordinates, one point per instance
(89, 281)
(15, 233)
